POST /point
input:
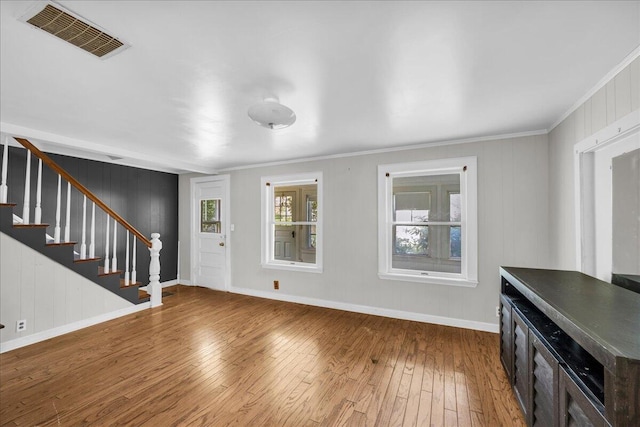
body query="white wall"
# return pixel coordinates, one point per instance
(512, 218)
(619, 97)
(50, 297)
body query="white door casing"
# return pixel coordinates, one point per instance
(210, 250)
(593, 193)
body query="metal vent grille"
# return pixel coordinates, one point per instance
(75, 31)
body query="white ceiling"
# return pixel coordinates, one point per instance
(359, 75)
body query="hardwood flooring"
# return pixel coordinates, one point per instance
(211, 358)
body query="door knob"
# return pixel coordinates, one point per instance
(221, 243)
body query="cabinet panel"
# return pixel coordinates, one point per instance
(521, 361)
(543, 385)
(506, 337)
(575, 408)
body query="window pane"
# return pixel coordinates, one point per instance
(412, 207)
(455, 242)
(295, 243)
(411, 240)
(426, 248)
(426, 198)
(455, 210)
(283, 204)
(210, 216)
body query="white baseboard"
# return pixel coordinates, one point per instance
(376, 311)
(166, 284)
(65, 329)
(170, 283)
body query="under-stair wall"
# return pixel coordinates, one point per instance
(51, 298)
(148, 199)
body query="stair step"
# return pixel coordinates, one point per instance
(143, 294)
(78, 260)
(31, 225)
(101, 272)
(131, 284)
(7, 204)
(62, 244)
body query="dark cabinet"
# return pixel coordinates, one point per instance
(570, 347)
(543, 384)
(505, 336)
(576, 409)
(520, 381)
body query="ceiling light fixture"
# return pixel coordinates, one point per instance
(271, 114)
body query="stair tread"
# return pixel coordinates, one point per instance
(8, 204)
(31, 225)
(62, 244)
(131, 284)
(101, 272)
(79, 260)
(143, 294)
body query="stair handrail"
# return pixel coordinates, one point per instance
(84, 190)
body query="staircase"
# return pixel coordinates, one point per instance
(100, 270)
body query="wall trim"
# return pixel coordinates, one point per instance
(376, 311)
(602, 83)
(71, 327)
(393, 149)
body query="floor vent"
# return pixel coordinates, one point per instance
(73, 29)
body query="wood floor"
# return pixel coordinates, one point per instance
(211, 358)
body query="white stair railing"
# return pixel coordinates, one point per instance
(38, 212)
(83, 244)
(27, 190)
(56, 229)
(111, 242)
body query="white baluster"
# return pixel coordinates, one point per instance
(38, 215)
(56, 230)
(83, 245)
(106, 249)
(154, 287)
(133, 262)
(114, 260)
(5, 160)
(92, 247)
(27, 191)
(67, 225)
(126, 263)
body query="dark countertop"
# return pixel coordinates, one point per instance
(604, 319)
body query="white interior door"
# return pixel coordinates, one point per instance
(210, 227)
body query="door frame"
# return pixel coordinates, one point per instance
(194, 221)
(592, 258)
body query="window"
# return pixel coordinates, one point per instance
(427, 221)
(292, 222)
(210, 216)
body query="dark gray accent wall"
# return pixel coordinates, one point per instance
(146, 199)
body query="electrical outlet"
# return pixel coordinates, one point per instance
(21, 325)
(497, 311)
(276, 284)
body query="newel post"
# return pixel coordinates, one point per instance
(154, 288)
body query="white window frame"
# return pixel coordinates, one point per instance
(269, 183)
(467, 168)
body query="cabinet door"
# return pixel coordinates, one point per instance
(506, 338)
(520, 361)
(575, 407)
(543, 385)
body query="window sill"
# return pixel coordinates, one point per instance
(447, 281)
(293, 266)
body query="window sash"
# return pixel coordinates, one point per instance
(272, 187)
(467, 223)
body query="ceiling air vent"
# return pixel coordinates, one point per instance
(71, 28)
